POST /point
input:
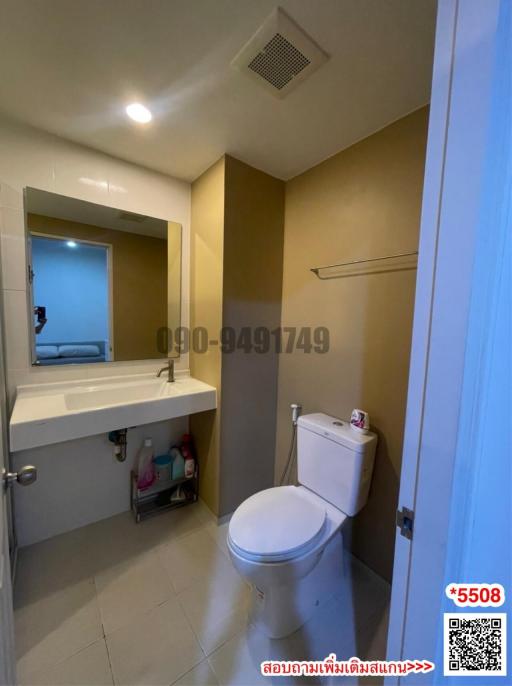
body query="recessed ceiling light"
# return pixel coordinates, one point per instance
(71, 244)
(139, 113)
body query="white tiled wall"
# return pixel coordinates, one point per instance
(33, 158)
(78, 481)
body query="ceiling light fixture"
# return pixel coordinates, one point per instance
(71, 244)
(139, 113)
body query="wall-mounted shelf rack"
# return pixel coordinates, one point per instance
(374, 265)
(158, 497)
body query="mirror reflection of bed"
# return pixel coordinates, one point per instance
(84, 352)
(103, 281)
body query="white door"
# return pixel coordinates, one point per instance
(460, 137)
(7, 661)
(25, 477)
(7, 658)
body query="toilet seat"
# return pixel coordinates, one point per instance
(276, 525)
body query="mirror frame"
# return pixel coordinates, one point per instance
(174, 270)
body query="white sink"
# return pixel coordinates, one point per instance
(118, 394)
(52, 413)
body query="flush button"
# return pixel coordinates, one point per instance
(338, 423)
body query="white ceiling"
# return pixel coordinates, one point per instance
(70, 67)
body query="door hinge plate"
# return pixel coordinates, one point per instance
(405, 522)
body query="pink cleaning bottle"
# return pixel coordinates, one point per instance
(145, 466)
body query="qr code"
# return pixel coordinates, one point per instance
(475, 644)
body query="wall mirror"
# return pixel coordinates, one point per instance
(103, 283)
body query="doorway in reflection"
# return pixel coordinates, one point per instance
(71, 286)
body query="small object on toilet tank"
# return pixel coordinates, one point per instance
(360, 421)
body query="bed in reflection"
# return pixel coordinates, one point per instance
(65, 352)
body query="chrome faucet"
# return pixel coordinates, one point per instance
(170, 371)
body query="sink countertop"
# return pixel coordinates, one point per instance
(51, 413)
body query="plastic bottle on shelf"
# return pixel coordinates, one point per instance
(188, 456)
(145, 466)
(178, 464)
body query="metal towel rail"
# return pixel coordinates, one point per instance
(376, 265)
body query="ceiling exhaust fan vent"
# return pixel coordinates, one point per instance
(280, 54)
(279, 62)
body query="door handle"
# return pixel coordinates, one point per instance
(26, 476)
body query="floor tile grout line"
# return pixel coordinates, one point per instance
(99, 607)
(172, 595)
(229, 638)
(138, 616)
(82, 648)
(207, 654)
(60, 662)
(204, 660)
(189, 623)
(188, 671)
(180, 593)
(109, 661)
(214, 538)
(213, 669)
(166, 573)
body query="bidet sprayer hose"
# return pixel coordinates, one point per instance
(296, 409)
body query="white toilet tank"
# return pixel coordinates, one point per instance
(335, 461)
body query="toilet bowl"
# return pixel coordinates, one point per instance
(287, 541)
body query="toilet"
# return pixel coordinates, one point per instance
(287, 541)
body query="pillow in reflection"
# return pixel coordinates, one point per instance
(79, 350)
(46, 352)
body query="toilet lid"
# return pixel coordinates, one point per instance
(276, 524)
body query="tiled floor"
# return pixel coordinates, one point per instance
(159, 603)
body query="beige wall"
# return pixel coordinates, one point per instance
(139, 283)
(206, 273)
(253, 269)
(236, 267)
(363, 202)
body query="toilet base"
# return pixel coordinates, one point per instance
(279, 610)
